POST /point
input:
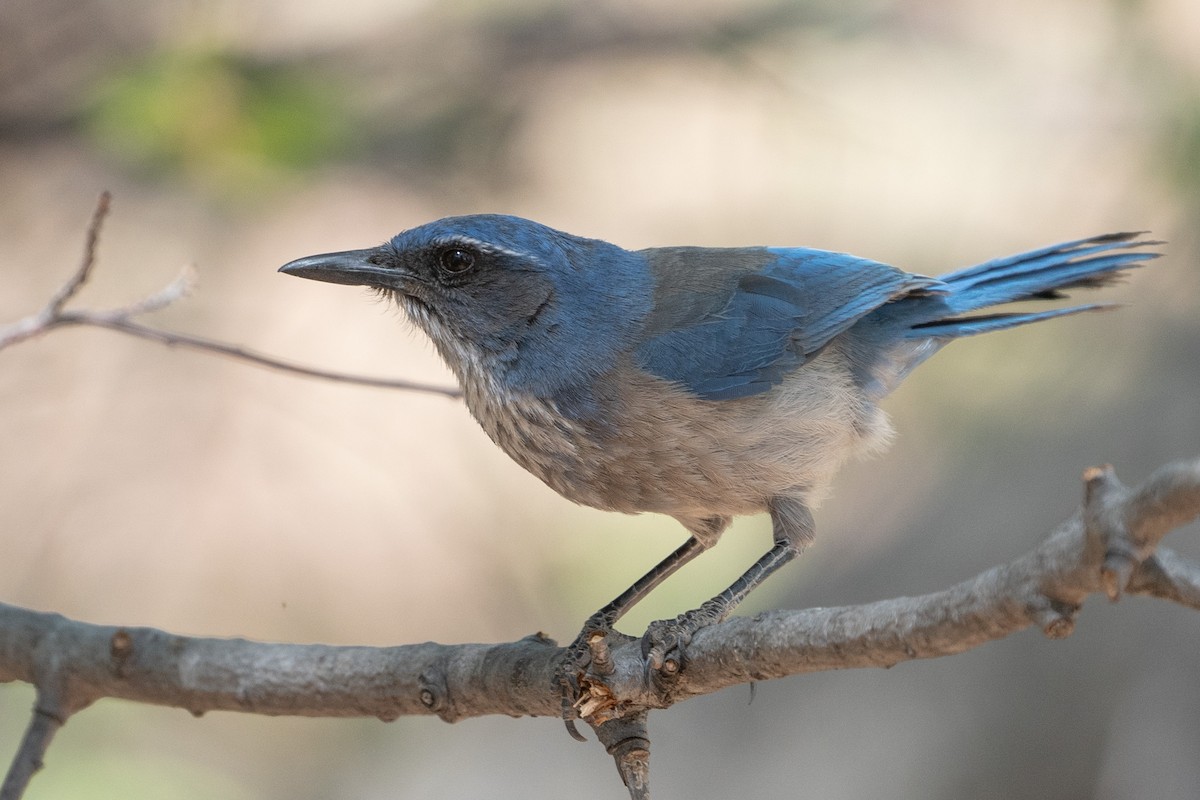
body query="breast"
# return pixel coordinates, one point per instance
(647, 445)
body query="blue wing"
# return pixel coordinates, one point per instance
(730, 323)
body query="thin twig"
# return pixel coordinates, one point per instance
(54, 315)
(119, 322)
(81, 275)
(28, 759)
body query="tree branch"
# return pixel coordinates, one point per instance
(1110, 545)
(1045, 587)
(77, 663)
(55, 315)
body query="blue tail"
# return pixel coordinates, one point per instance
(1037, 275)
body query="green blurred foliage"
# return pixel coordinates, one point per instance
(1180, 150)
(234, 502)
(215, 120)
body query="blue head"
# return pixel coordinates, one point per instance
(505, 299)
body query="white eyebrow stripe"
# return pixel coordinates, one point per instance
(487, 247)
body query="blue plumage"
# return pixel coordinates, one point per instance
(784, 306)
(697, 382)
(539, 319)
(1038, 274)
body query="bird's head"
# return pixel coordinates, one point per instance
(503, 298)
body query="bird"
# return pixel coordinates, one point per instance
(702, 383)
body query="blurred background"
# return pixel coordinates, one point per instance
(149, 486)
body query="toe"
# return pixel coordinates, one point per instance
(664, 645)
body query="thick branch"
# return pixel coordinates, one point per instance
(1043, 588)
(1110, 545)
(209, 674)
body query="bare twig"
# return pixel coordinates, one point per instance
(1169, 576)
(28, 759)
(55, 315)
(47, 318)
(122, 323)
(80, 276)
(1045, 587)
(627, 740)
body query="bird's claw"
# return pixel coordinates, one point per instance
(588, 661)
(664, 645)
(568, 684)
(665, 642)
(576, 666)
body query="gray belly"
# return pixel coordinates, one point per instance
(661, 449)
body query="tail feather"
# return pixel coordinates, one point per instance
(954, 327)
(1036, 275)
(1091, 244)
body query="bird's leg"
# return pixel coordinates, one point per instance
(665, 641)
(604, 619)
(704, 534)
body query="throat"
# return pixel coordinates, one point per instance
(531, 430)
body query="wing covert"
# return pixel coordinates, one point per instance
(746, 317)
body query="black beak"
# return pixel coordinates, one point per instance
(351, 267)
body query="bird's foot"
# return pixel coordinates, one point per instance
(665, 642)
(583, 668)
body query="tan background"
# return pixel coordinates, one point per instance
(148, 486)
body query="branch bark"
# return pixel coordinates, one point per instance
(55, 315)
(1110, 546)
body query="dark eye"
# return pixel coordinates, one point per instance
(456, 260)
